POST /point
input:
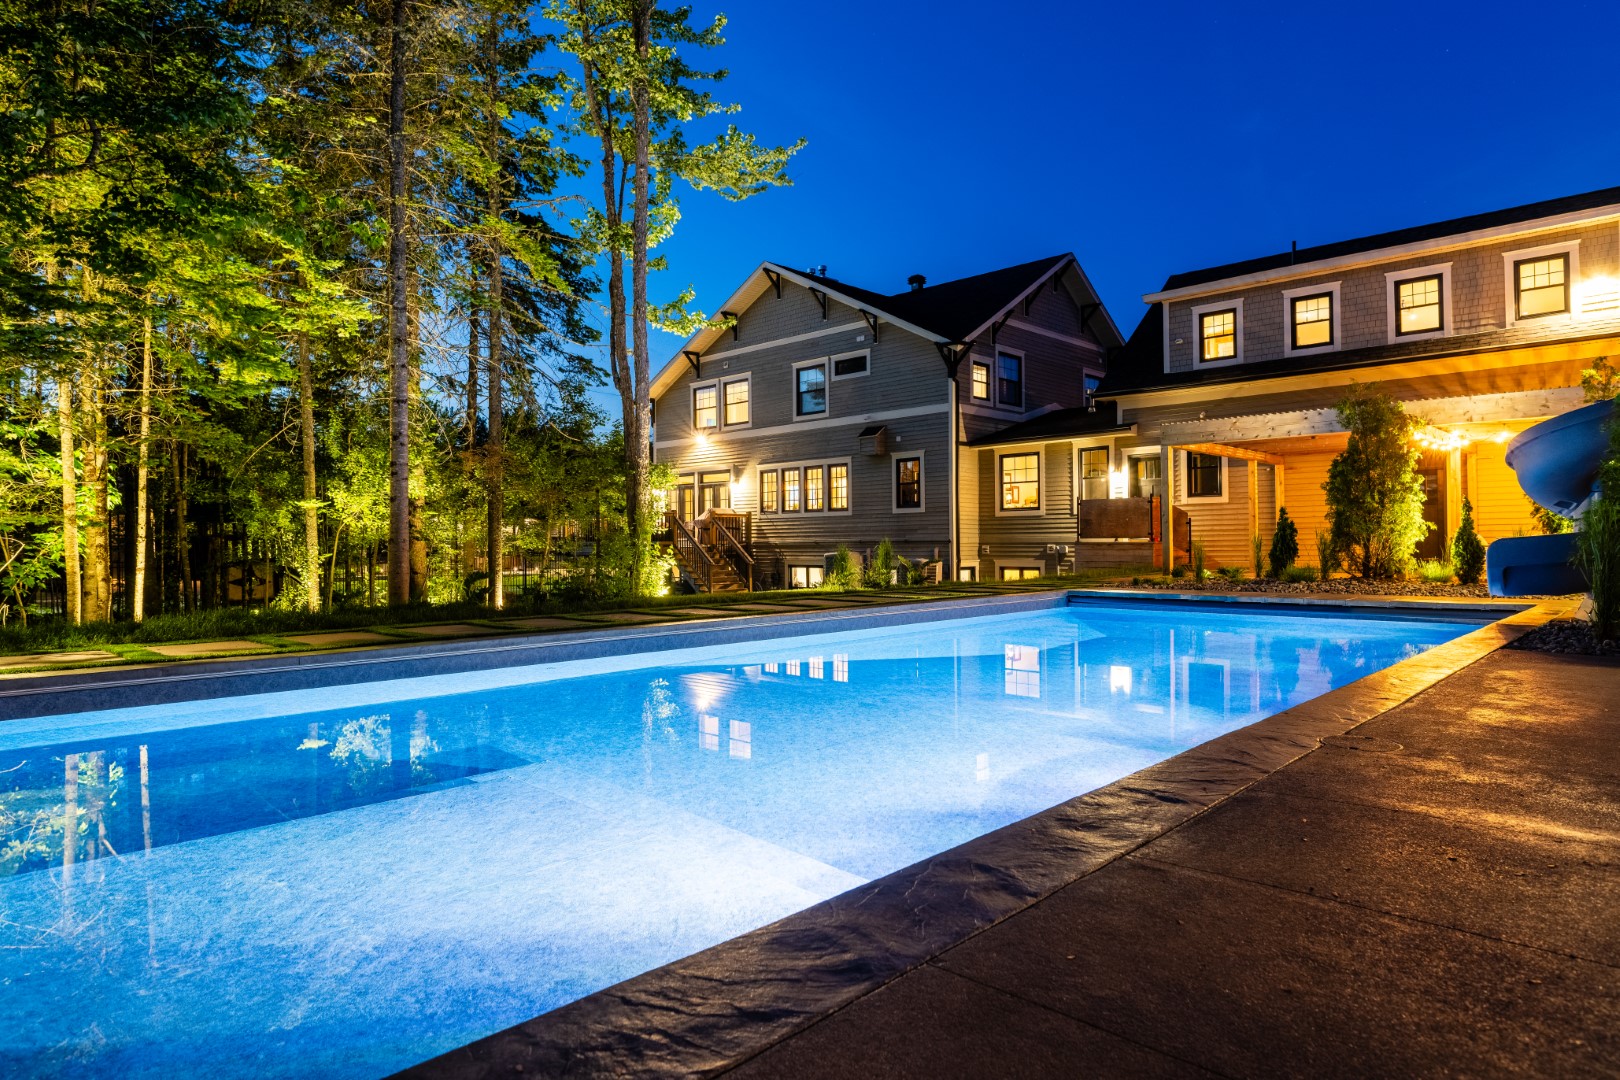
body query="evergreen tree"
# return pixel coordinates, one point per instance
(1467, 550)
(1284, 544)
(1374, 495)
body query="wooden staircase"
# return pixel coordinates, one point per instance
(710, 552)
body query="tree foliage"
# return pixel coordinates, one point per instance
(1374, 494)
(1467, 549)
(1284, 544)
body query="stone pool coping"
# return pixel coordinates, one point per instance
(717, 1008)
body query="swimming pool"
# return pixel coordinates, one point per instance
(349, 880)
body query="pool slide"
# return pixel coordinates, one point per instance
(1557, 463)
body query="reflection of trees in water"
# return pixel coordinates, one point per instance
(659, 710)
(365, 749)
(1283, 658)
(1345, 661)
(62, 825)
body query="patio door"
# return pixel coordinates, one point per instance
(1144, 475)
(714, 492)
(685, 496)
(1433, 546)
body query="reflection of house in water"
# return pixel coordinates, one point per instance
(1022, 669)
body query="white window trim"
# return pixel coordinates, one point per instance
(895, 457)
(1184, 474)
(819, 568)
(1335, 324)
(832, 362)
(707, 384)
(793, 390)
(1040, 474)
(1113, 463)
(1392, 278)
(826, 490)
(989, 381)
(1571, 248)
(1236, 306)
(746, 377)
(1023, 380)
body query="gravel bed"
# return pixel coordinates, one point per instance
(1333, 586)
(1569, 636)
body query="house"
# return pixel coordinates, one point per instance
(821, 413)
(1224, 396)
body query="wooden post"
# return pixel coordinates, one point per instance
(1254, 498)
(1167, 511)
(1453, 497)
(1277, 487)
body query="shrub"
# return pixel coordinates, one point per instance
(1467, 550)
(881, 569)
(1435, 572)
(1257, 555)
(1327, 555)
(1597, 544)
(1284, 544)
(1199, 557)
(1548, 522)
(1296, 574)
(842, 574)
(1374, 495)
(1180, 571)
(1232, 573)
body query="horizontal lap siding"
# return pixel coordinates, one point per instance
(1303, 497)
(1500, 506)
(1223, 528)
(1022, 538)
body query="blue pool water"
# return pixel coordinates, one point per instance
(343, 882)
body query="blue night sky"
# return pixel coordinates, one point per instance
(950, 138)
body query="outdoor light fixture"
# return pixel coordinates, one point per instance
(1598, 296)
(1116, 483)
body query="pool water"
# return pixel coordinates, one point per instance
(343, 882)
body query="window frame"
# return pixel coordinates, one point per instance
(832, 489)
(775, 491)
(785, 470)
(1235, 306)
(1039, 509)
(747, 380)
(697, 388)
(895, 459)
(1023, 379)
(1080, 478)
(973, 384)
(832, 365)
(1571, 251)
(797, 472)
(1394, 279)
(1185, 480)
(820, 473)
(826, 388)
(1291, 297)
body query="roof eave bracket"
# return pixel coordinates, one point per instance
(821, 298)
(952, 352)
(872, 322)
(733, 316)
(693, 358)
(776, 281)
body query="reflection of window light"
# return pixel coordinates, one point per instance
(840, 667)
(708, 732)
(1119, 679)
(793, 667)
(742, 739)
(773, 667)
(1023, 670)
(981, 768)
(816, 667)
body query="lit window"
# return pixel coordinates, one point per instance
(1313, 320)
(810, 390)
(1203, 476)
(736, 402)
(790, 489)
(812, 487)
(1418, 305)
(838, 487)
(1020, 481)
(802, 577)
(1144, 476)
(1019, 573)
(767, 491)
(818, 667)
(741, 744)
(705, 410)
(1022, 665)
(1217, 332)
(1094, 472)
(908, 483)
(1009, 380)
(981, 381)
(1542, 285)
(840, 667)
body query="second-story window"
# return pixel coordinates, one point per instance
(1020, 481)
(981, 381)
(813, 491)
(1419, 305)
(705, 408)
(1010, 380)
(736, 400)
(1541, 286)
(838, 487)
(1217, 334)
(810, 390)
(1312, 320)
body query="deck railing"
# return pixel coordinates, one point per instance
(688, 544)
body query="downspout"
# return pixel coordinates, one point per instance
(953, 565)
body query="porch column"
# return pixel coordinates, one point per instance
(1254, 498)
(1277, 485)
(1453, 496)
(1167, 516)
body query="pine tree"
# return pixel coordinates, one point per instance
(1467, 550)
(1374, 495)
(1284, 544)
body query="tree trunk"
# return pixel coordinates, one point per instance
(494, 454)
(638, 419)
(474, 362)
(70, 500)
(142, 472)
(312, 518)
(399, 470)
(96, 582)
(182, 537)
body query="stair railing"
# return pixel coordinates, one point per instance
(687, 541)
(726, 540)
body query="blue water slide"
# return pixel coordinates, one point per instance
(1557, 463)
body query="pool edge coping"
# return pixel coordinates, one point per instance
(717, 1008)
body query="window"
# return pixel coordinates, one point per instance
(1010, 380)
(1217, 335)
(847, 367)
(1021, 481)
(767, 491)
(838, 487)
(802, 577)
(908, 483)
(1094, 472)
(736, 397)
(790, 490)
(1019, 573)
(981, 381)
(1203, 476)
(810, 390)
(1144, 476)
(705, 410)
(1312, 320)
(1541, 286)
(813, 491)
(1419, 305)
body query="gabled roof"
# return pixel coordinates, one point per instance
(1568, 205)
(1058, 424)
(950, 312)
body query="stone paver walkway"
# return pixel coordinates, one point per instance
(1436, 895)
(209, 648)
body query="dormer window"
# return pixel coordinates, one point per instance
(1313, 320)
(1541, 286)
(1419, 305)
(1217, 335)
